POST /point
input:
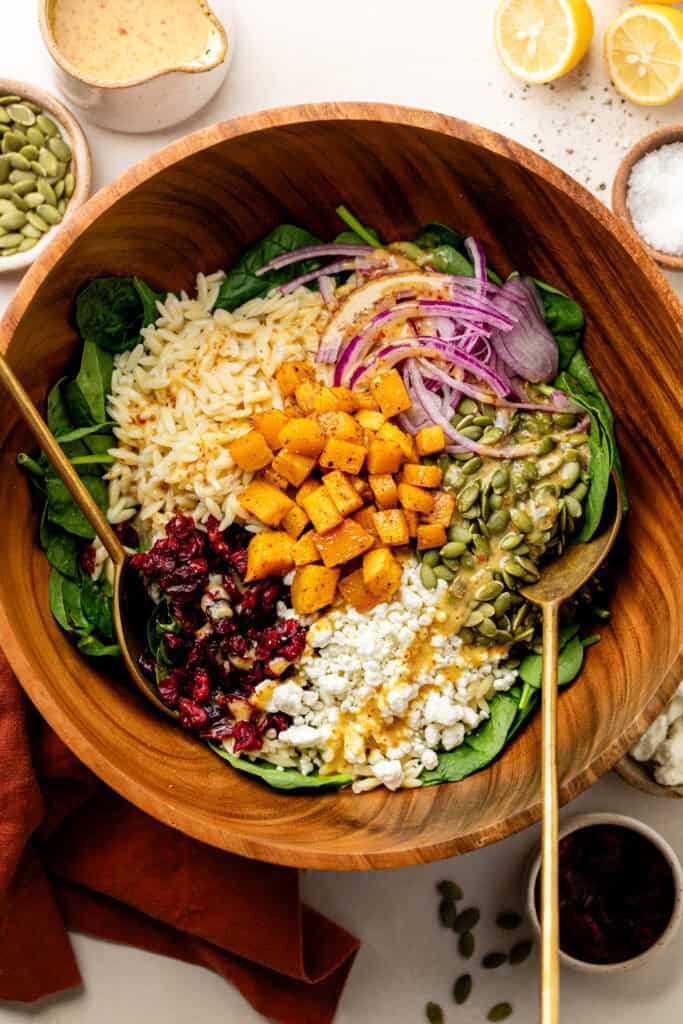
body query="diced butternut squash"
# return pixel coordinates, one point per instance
(365, 400)
(365, 517)
(362, 487)
(295, 522)
(341, 425)
(265, 502)
(430, 535)
(306, 394)
(304, 551)
(306, 488)
(442, 512)
(370, 419)
(384, 490)
(392, 527)
(290, 375)
(294, 468)
(390, 392)
(343, 455)
(353, 590)
(276, 479)
(421, 475)
(430, 440)
(321, 510)
(251, 452)
(384, 457)
(346, 542)
(303, 437)
(415, 498)
(413, 521)
(346, 399)
(343, 493)
(269, 554)
(381, 573)
(390, 432)
(326, 401)
(313, 588)
(270, 424)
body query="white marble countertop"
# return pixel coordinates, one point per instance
(440, 57)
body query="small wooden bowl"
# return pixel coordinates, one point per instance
(640, 777)
(195, 206)
(662, 137)
(82, 164)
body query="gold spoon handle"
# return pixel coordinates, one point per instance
(61, 464)
(550, 929)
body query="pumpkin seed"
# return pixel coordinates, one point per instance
(569, 474)
(509, 920)
(460, 533)
(442, 572)
(427, 576)
(11, 241)
(467, 497)
(47, 125)
(566, 420)
(20, 177)
(512, 568)
(434, 1013)
(60, 148)
(35, 137)
(520, 952)
(4, 100)
(38, 169)
(58, 189)
(12, 221)
(496, 501)
(579, 492)
(19, 162)
(6, 192)
(30, 232)
(462, 989)
(510, 541)
(500, 480)
(489, 591)
(472, 465)
(29, 153)
(17, 198)
(525, 635)
(4, 168)
(481, 545)
(431, 557)
(466, 635)
(11, 252)
(34, 200)
(468, 407)
(573, 507)
(466, 945)
(501, 1011)
(4, 116)
(451, 890)
(498, 521)
(453, 549)
(472, 433)
(61, 207)
(474, 619)
(487, 628)
(12, 142)
(521, 520)
(6, 205)
(491, 436)
(519, 616)
(447, 913)
(28, 244)
(460, 423)
(22, 114)
(49, 214)
(37, 222)
(576, 440)
(467, 920)
(528, 565)
(502, 604)
(48, 161)
(493, 960)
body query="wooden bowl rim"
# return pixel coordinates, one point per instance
(82, 159)
(203, 826)
(638, 775)
(655, 140)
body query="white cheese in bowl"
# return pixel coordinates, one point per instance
(662, 744)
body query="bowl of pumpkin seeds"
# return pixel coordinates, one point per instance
(45, 171)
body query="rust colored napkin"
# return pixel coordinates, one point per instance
(75, 856)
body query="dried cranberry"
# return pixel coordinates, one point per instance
(221, 730)
(202, 685)
(192, 717)
(127, 534)
(278, 721)
(171, 687)
(88, 559)
(177, 647)
(186, 580)
(239, 560)
(246, 737)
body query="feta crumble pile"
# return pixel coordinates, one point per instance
(376, 695)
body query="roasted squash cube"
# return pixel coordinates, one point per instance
(321, 510)
(413, 521)
(306, 394)
(381, 573)
(270, 424)
(306, 488)
(390, 432)
(442, 512)
(290, 375)
(343, 455)
(353, 590)
(383, 457)
(303, 437)
(346, 399)
(341, 425)
(343, 493)
(365, 400)
(421, 475)
(390, 391)
(294, 468)
(384, 489)
(361, 485)
(370, 419)
(269, 554)
(295, 522)
(430, 440)
(415, 498)
(313, 588)
(251, 452)
(265, 502)
(430, 535)
(365, 518)
(304, 551)
(271, 477)
(325, 401)
(345, 542)
(392, 527)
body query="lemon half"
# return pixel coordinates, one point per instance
(540, 40)
(644, 53)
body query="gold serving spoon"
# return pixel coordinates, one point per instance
(559, 580)
(129, 600)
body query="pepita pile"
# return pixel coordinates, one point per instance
(36, 175)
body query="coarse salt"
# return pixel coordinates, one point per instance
(655, 198)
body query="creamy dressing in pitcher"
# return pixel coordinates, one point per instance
(121, 40)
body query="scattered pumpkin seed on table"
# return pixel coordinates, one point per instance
(493, 960)
(509, 920)
(501, 1011)
(521, 952)
(467, 920)
(466, 945)
(434, 1013)
(462, 989)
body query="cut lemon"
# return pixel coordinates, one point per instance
(540, 40)
(644, 54)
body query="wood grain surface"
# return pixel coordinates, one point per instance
(195, 206)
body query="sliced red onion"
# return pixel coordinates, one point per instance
(529, 349)
(472, 365)
(332, 268)
(390, 355)
(475, 250)
(312, 251)
(326, 285)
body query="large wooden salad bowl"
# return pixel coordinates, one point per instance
(195, 206)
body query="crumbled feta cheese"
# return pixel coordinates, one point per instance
(390, 773)
(300, 736)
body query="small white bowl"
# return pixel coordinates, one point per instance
(623, 821)
(82, 163)
(154, 101)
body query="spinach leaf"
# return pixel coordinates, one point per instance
(86, 397)
(242, 284)
(481, 746)
(448, 252)
(58, 419)
(278, 779)
(97, 606)
(61, 549)
(111, 311)
(94, 648)
(565, 319)
(63, 511)
(55, 593)
(569, 664)
(432, 235)
(448, 260)
(72, 596)
(82, 432)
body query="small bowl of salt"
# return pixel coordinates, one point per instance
(648, 194)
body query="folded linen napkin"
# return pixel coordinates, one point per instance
(75, 856)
